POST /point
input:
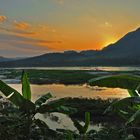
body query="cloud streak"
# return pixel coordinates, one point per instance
(60, 1)
(19, 32)
(2, 18)
(21, 25)
(23, 37)
(9, 38)
(12, 45)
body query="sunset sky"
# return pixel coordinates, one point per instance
(33, 27)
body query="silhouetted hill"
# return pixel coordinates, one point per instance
(2, 59)
(128, 46)
(125, 52)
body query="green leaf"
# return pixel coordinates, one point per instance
(125, 103)
(26, 91)
(87, 121)
(43, 99)
(15, 97)
(50, 106)
(41, 124)
(56, 103)
(55, 106)
(133, 93)
(117, 81)
(135, 118)
(125, 107)
(64, 110)
(80, 128)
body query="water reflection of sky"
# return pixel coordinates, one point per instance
(60, 90)
(100, 68)
(64, 122)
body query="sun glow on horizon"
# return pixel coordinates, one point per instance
(110, 40)
(59, 25)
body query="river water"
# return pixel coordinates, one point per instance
(81, 91)
(102, 68)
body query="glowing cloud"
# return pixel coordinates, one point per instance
(58, 25)
(60, 1)
(21, 25)
(2, 18)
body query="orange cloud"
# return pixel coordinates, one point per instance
(2, 18)
(60, 1)
(21, 25)
(18, 32)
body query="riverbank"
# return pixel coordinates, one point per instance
(67, 77)
(96, 107)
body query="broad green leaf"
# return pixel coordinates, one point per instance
(28, 106)
(132, 93)
(87, 121)
(135, 118)
(125, 107)
(50, 106)
(125, 103)
(80, 128)
(56, 103)
(56, 106)
(26, 91)
(64, 110)
(43, 99)
(60, 109)
(41, 124)
(15, 97)
(117, 81)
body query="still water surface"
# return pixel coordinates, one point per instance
(101, 68)
(81, 91)
(59, 91)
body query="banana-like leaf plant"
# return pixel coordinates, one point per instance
(82, 129)
(23, 101)
(29, 109)
(128, 108)
(129, 82)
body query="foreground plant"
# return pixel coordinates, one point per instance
(128, 108)
(25, 110)
(83, 133)
(83, 129)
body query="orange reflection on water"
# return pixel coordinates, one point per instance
(59, 91)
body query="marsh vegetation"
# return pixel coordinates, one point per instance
(118, 118)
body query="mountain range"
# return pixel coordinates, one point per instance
(3, 59)
(124, 52)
